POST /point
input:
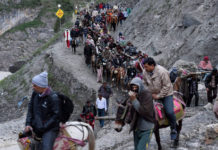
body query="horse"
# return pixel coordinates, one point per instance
(106, 71)
(71, 135)
(113, 75)
(120, 77)
(93, 62)
(122, 113)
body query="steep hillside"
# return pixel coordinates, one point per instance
(25, 26)
(181, 29)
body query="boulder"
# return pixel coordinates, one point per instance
(211, 133)
(188, 20)
(16, 66)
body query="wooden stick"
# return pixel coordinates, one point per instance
(105, 118)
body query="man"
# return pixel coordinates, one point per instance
(142, 123)
(106, 92)
(158, 81)
(193, 89)
(43, 112)
(211, 85)
(88, 54)
(205, 64)
(89, 113)
(102, 108)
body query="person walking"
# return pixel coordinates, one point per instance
(211, 83)
(106, 92)
(88, 54)
(102, 108)
(158, 81)
(142, 122)
(193, 89)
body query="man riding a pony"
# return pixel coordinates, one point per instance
(158, 81)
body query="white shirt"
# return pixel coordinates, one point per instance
(101, 104)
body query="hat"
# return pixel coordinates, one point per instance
(206, 58)
(41, 80)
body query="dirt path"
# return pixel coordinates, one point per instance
(74, 64)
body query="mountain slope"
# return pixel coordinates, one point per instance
(181, 29)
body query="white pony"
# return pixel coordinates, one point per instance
(71, 135)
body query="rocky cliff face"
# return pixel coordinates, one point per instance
(179, 29)
(20, 44)
(16, 16)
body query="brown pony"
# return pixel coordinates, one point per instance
(93, 61)
(113, 75)
(122, 113)
(120, 77)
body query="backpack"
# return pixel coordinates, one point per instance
(173, 75)
(66, 107)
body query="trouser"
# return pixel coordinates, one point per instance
(169, 109)
(47, 142)
(84, 38)
(121, 22)
(142, 139)
(74, 49)
(114, 26)
(101, 113)
(107, 101)
(68, 43)
(88, 60)
(99, 75)
(211, 94)
(190, 99)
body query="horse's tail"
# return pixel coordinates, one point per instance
(91, 139)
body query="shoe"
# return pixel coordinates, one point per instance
(173, 134)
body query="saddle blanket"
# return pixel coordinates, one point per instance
(161, 115)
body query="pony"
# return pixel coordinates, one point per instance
(71, 135)
(93, 63)
(113, 75)
(121, 119)
(106, 68)
(120, 77)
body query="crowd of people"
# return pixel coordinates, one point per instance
(116, 61)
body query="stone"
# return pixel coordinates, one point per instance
(16, 66)
(188, 21)
(211, 133)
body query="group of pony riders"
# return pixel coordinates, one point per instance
(118, 62)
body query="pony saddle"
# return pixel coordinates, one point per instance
(160, 114)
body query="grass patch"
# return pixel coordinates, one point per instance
(32, 24)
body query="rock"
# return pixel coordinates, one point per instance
(188, 21)
(208, 107)
(189, 66)
(17, 65)
(211, 133)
